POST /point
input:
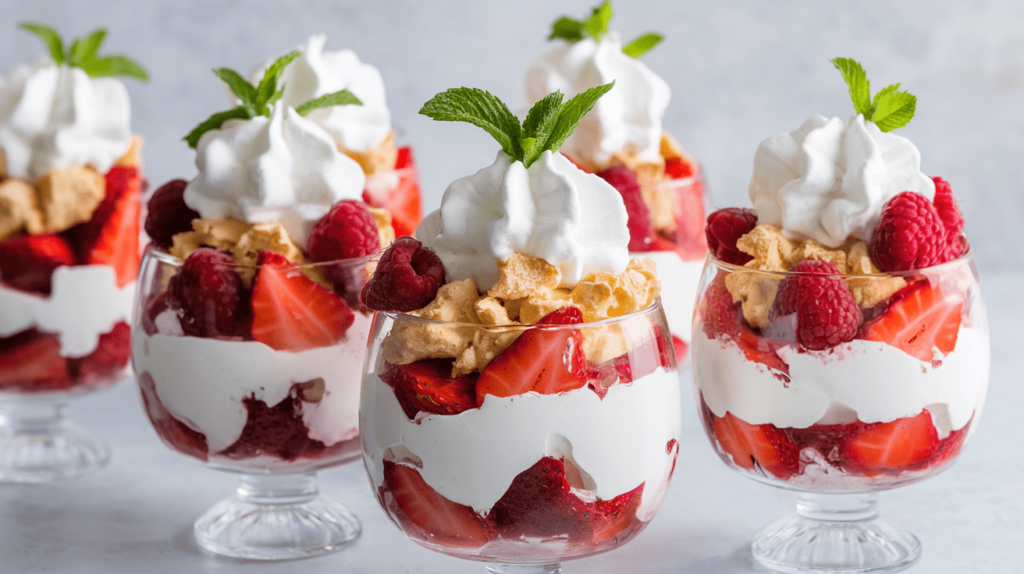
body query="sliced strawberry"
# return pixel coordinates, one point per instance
(678, 168)
(27, 262)
(171, 431)
(111, 355)
(950, 447)
(111, 237)
(427, 515)
(427, 386)
(542, 361)
(278, 431)
(540, 503)
(401, 198)
(616, 518)
(291, 312)
(31, 361)
(892, 447)
(763, 350)
(691, 241)
(919, 319)
(757, 446)
(682, 349)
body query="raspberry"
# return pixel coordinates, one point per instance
(720, 314)
(168, 214)
(346, 232)
(407, 277)
(724, 228)
(641, 228)
(27, 262)
(949, 213)
(910, 234)
(210, 295)
(826, 312)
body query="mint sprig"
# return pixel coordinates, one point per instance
(257, 100)
(546, 127)
(889, 109)
(84, 53)
(642, 45)
(596, 26)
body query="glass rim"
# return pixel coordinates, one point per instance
(941, 267)
(165, 257)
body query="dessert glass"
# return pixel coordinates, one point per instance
(528, 481)
(273, 416)
(58, 345)
(840, 425)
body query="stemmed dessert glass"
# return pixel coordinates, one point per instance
(274, 416)
(526, 481)
(891, 407)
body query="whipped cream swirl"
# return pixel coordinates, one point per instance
(551, 210)
(283, 168)
(626, 119)
(316, 73)
(829, 179)
(56, 116)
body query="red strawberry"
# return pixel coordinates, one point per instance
(826, 312)
(292, 313)
(31, 361)
(763, 350)
(909, 235)
(682, 348)
(111, 237)
(427, 386)
(892, 447)
(542, 361)
(27, 262)
(691, 239)
(168, 214)
(950, 447)
(210, 295)
(616, 518)
(678, 168)
(171, 431)
(949, 213)
(757, 446)
(111, 355)
(407, 277)
(276, 431)
(919, 319)
(641, 228)
(401, 199)
(426, 515)
(724, 229)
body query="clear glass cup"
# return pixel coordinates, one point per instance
(893, 406)
(63, 333)
(525, 480)
(398, 191)
(274, 416)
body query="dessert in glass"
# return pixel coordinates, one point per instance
(520, 402)
(70, 186)
(840, 342)
(623, 141)
(248, 332)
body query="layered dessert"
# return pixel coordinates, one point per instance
(840, 342)
(250, 335)
(521, 397)
(623, 141)
(70, 186)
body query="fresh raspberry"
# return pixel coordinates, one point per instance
(720, 315)
(949, 213)
(27, 262)
(641, 228)
(210, 295)
(168, 213)
(910, 234)
(724, 228)
(407, 277)
(346, 232)
(826, 312)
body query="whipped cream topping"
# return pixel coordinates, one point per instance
(551, 210)
(78, 325)
(316, 73)
(829, 179)
(626, 119)
(56, 116)
(283, 168)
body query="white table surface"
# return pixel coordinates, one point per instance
(135, 516)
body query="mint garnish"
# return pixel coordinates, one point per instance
(84, 53)
(256, 100)
(889, 109)
(596, 26)
(546, 127)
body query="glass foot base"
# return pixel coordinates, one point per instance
(843, 535)
(48, 450)
(260, 524)
(525, 569)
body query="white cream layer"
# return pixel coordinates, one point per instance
(202, 382)
(84, 303)
(679, 282)
(471, 458)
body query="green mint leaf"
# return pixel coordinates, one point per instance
(571, 113)
(537, 127)
(115, 65)
(895, 110)
(881, 94)
(266, 92)
(481, 109)
(567, 29)
(240, 87)
(342, 98)
(597, 23)
(214, 122)
(48, 35)
(85, 48)
(642, 45)
(857, 80)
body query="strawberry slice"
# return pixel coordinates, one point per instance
(27, 262)
(111, 237)
(171, 431)
(427, 386)
(31, 361)
(753, 446)
(427, 515)
(892, 447)
(678, 168)
(919, 319)
(111, 355)
(542, 361)
(291, 312)
(763, 350)
(691, 241)
(401, 198)
(682, 349)
(616, 518)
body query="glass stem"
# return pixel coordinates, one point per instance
(32, 417)
(525, 568)
(278, 489)
(857, 507)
